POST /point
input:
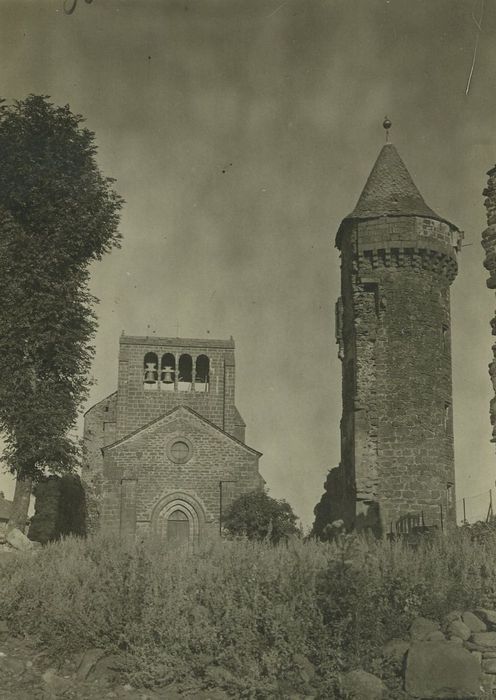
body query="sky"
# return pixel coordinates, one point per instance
(240, 133)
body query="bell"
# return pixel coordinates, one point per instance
(150, 373)
(167, 375)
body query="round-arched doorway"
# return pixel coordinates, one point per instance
(178, 519)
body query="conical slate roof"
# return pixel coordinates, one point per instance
(390, 191)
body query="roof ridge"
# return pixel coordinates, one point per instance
(167, 414)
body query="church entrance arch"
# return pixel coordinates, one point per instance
(178, 530)
(178, 520)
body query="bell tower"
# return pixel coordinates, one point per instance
(393, 327)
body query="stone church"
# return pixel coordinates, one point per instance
(166, 453)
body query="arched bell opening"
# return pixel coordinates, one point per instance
(185, 373)
(202, 373)
(167, 372)
(150, 371)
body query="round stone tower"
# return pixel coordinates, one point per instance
(398, 260)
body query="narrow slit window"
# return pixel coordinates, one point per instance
(447, 416)
(445, 337)
(449, 493)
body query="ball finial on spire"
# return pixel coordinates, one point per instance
(387, 125)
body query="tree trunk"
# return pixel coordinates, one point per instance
(20, 506)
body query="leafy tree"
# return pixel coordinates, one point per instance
(258, 516)
(58, 214)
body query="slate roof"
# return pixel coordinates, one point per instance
(390, 191)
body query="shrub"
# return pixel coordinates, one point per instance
(257, 516)
(237, 614)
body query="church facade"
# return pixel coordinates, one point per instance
(166, 454)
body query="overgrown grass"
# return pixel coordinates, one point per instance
(237, 614)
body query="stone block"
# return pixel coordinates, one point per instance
(484, 640)
(489, 666)
(451, 616)
(360, 685)
(487, 616)
(89, 660)
(441, 670)
(488, 682)
(473, 622)
(395, 649)
(477, 655)
(421, 628)
(436, 636)
(18, 540)
(458, 628)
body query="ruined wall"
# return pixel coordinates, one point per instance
(489, 245)
(397, 434)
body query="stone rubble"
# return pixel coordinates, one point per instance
(489, 245)
(439, 661)
(27, 674)
(462, 666)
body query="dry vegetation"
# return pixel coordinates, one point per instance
(237, 614)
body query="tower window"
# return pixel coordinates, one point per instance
(185, 373)
(449, 493)
(168, 371)
(447, 416)
(202, 373)
(445, 337)
(150, 365)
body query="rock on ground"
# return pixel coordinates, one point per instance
(90, 658)
(487, 616)
(473, 622)
(458, 628)
(442, 670)
(360, 685)
(422, 627)
(18, 540)
(395, 649)
(484, 640)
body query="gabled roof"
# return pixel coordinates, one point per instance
(110, 396)
(183, 409)
(390, 191)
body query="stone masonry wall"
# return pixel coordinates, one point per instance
(137, 406)
(489, 245)
(145, 461)
(397, 435)
(99, 430)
